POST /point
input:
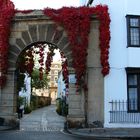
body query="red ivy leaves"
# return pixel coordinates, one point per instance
(26, 62)
(65, 70)
(49, 59)
(29, 61)
(77, 23)
(104, 18)
(41, 60)
(2, 80)
(6, 14)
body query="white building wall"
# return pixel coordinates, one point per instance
(61, 86)
(120, 56)
(26, 93)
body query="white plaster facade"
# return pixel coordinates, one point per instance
(121, 55)
(61, 86)
(61, 90)
(26, 93)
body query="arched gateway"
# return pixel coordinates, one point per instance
(36, 27)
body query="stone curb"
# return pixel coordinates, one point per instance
(98, 136)
(7, 128)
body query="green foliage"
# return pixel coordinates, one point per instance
(27, 110)
(21, 62)
(59, 106)
(48, 101)
(20, 101)
(38, 101)
(41, 102)
(20, 81)
(36, 82)
(66, 110)
(62, 107)
(34, 102)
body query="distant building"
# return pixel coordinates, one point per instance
(41, 92)
(53, 79)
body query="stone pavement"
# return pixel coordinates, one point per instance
(107, 133)
(43, 119)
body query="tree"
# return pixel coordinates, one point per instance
(20, 81)
(36, 82)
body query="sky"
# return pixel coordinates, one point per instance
(41, 4)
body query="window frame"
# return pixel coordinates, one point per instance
(128, 17)
(132, 71)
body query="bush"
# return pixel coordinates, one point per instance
(20, 101)
(62, 107)
(41, 102)
(47, 101)
(66, 110)
(59, 106)
(34, 102)
(27, 110)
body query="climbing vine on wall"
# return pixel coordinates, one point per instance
(37, 54)
(6, 14)
(49, 59)
(27, 60)
(76, 22)
(65, 69)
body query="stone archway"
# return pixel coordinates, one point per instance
(25, 30)
(36, 27)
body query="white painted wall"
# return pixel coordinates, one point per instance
(61, 86)
(27, 93)
(120, 56)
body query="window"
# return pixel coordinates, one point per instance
(56, 66)
(56, 72)
(133, 31)
(52, 78)
(133, 89)
(56, 79)
(52, 72)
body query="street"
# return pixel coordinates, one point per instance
(43, 119)
(43, 124)
(36, 135)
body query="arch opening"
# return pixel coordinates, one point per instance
(38, 78)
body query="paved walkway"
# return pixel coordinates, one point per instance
(43, 119)
(46, 119)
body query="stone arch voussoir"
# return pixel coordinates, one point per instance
(39, 32)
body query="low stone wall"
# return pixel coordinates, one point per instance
(40, 101)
